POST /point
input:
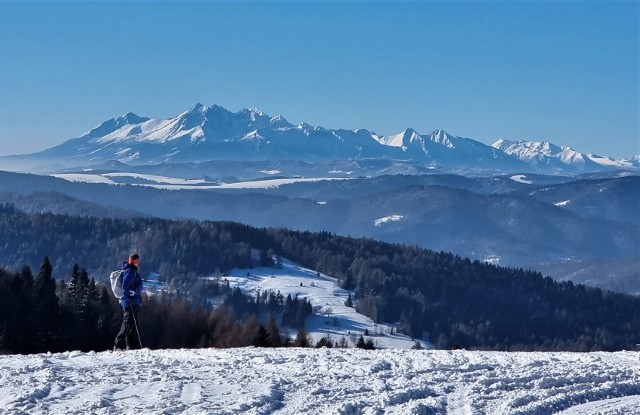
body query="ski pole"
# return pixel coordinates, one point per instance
(135, 323)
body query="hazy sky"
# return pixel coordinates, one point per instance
(566, 72)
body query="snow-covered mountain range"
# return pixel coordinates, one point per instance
(546, 155)
(205, 133)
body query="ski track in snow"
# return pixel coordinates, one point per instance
(320, 381)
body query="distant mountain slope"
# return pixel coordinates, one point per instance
(548, 156)
(55, 202)
(420, 291)
(496, 219)
(206, 133)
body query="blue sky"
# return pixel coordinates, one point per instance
(566, 72)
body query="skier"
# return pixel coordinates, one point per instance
(129, 337)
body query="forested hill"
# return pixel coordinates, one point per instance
(457, 301)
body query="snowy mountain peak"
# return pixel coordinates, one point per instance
(279, 122)
(528, 147)
(402, 140)
(198, 107)
(205, 133)
(114, 124)
(131, 118)
(549, 155)
(442, 137)
(410, 136)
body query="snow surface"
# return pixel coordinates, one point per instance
(319, 381)
(173, 183)
(270, 183)
(331, 316)
(541, 153)
(84, 178)
(206, 133)
(492, 259)
(392, 218)
(156, 179)
(521, 178)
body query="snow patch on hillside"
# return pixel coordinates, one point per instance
(294, 381)
(521, 178)
(156, 179)
(84, 178)
(272, 183)
(392, 218)
(331, 315)
(270, 172)
(172, 183)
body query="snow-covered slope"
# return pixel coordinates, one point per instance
(206, 133)
(547, 156)
(331, 316)
(173, 183)
(320, 381)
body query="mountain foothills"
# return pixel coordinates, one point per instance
(583, 228)
(177, 191)
(450, 300)
(205, 133)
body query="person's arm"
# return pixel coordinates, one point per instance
(126, 283)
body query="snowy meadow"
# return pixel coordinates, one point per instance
(320, 381)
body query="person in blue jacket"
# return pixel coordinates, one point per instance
(128, 338)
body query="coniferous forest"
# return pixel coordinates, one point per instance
(39, 313)
(454, 301)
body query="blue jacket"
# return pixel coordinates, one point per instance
(131, 286)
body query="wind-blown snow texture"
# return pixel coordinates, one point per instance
(320, 381)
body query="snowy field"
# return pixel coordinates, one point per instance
(172, 183)
(320, 381)
(331, 317)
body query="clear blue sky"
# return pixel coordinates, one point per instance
(566, 72)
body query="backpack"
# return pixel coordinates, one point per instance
(116, 283)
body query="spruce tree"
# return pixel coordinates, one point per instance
(47, 309)
(275, 338)
(302, 339)
(261, 339)
(349, 301)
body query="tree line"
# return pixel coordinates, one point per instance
(453, 301)
(40, 314)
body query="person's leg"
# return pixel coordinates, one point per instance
(133, 342)
(125, 329)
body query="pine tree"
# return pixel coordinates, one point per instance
(75, 279)
(275, 338)
(47, 309)
(325, 342)
(349, 302)
(250, 331)
(302, 339)
(261, 339)
(265, 260)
